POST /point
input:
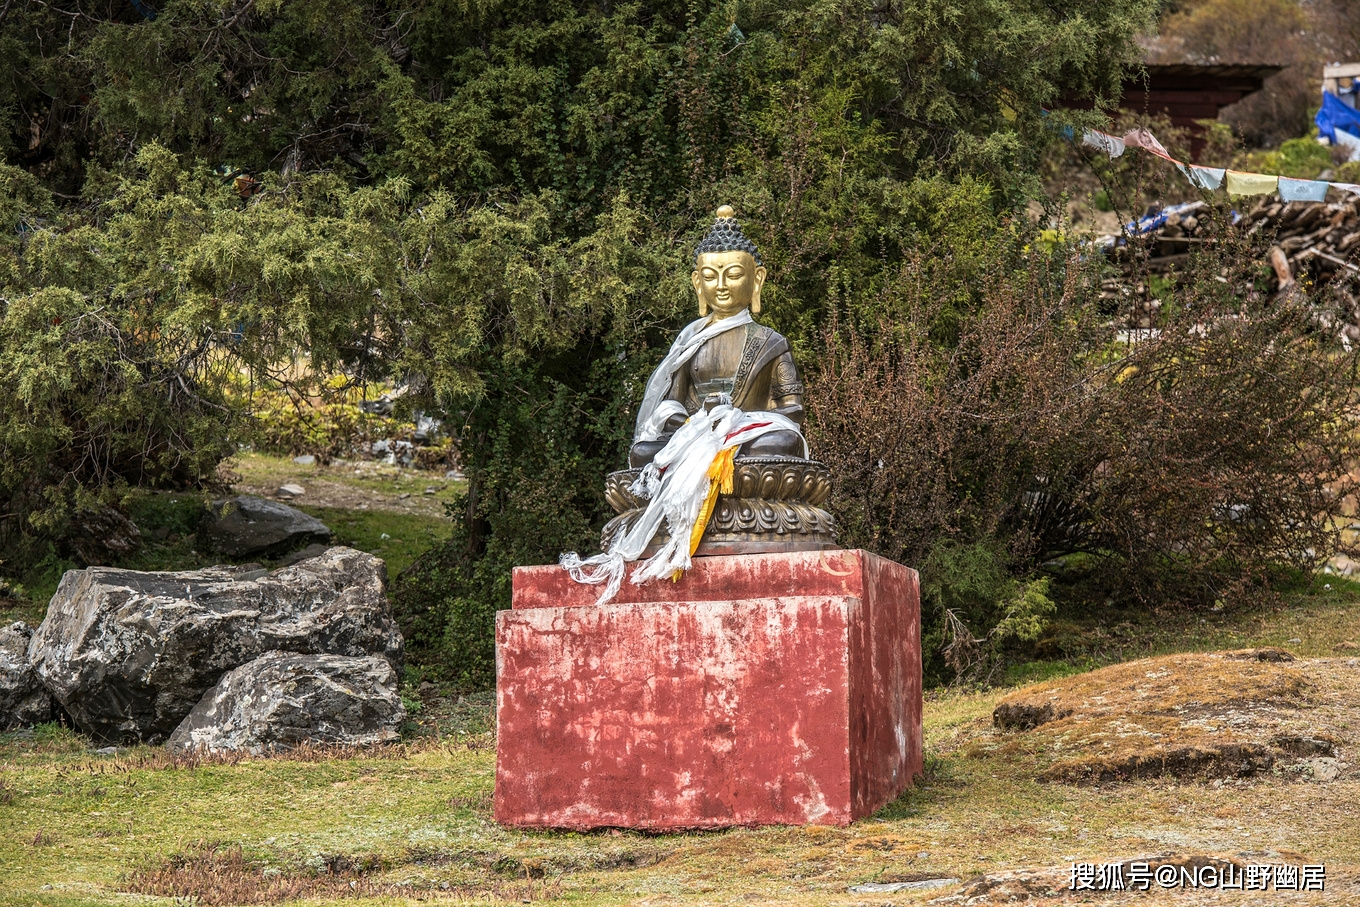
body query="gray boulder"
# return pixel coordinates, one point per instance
(247, 526)
(23, 700)
(297, 557)
(129, 654)
(280, 700)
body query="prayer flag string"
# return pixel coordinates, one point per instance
(1237, 183)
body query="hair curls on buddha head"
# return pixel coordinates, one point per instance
(726, 236)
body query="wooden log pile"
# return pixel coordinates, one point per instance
(1170, 234)
(1320, 239)
(1320, 236)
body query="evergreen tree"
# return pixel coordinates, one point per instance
(493, 201)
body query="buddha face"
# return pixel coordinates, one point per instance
(727, 283)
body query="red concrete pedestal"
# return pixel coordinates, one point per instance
(760, 689)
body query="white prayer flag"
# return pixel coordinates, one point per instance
(1111, 145)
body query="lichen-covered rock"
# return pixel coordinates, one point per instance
(129, 654)
(1197, 717)
(247, 526)
(280, 700)
(23, 700)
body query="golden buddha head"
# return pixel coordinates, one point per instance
(728, 272)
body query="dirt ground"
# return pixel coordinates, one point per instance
(344, 484)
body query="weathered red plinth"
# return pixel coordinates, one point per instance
(760, 689)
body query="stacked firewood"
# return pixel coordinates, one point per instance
(1319, 238)
(1131, 302)
(1171, 233)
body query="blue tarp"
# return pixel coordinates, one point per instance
(1158, 220)
(1336, 114)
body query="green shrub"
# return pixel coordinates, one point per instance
(326, 422)
(1348, 172)
(971, 585)
(125, 326)
(1297, 158)
(543, 462)
(496, 208)
(107, 388)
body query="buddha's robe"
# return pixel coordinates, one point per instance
(742, 374)
(752, 365)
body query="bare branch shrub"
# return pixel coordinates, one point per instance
(1003, 415)
(939, 420)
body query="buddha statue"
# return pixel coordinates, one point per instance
(749, 363)
(718, 461)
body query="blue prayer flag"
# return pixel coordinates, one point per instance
(1203, 177)
(1302, 190)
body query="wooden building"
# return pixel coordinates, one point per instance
(1342, 80)
(1187, 92)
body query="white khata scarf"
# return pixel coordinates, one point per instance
(653, 413)
(683, 481)
(682, 484)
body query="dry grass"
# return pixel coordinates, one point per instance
(349, 485)
(197, 757)
(1166, 685)
(216, 875)
(213, 874)
(412, 824)
(1054, 882)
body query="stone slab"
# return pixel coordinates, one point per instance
(760, 689)
(835, 572)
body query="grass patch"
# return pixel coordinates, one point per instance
(215, 875)
(268, 471)
(52, 738)
(22, 607)
(1311, 616)
(377, 522)
(397, 538)
(467, 717)
(412, 823)
(1200, 716)
(405, 822)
